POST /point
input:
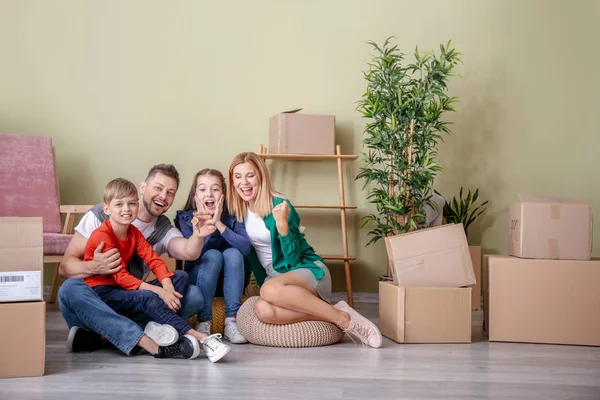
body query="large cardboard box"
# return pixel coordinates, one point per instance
(550, 228)
(433, 257)
(425, 315)
(293, 133)
(475, 252)
(22, 339)
(21, 259)
(543, 301)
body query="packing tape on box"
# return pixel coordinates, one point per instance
(553, 249)
(554, 211)
(281, 142)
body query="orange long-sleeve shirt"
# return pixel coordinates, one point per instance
(135, 242)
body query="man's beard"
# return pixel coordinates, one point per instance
(148, 207)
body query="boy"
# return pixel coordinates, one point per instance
(127, 294)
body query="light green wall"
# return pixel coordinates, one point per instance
(121, 85)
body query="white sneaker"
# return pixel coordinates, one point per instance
(232, 333)
(203, 327)
(163, 335)
(214, 348)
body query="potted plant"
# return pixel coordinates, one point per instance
(404, 105)
(464, 210)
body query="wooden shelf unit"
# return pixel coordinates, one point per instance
(342, 207)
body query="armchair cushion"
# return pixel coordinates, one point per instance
(56, 243)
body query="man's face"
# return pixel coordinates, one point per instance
(158, 194)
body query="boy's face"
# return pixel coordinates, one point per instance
(122, 211)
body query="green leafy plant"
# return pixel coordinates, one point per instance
(404, 104)
(463, 209)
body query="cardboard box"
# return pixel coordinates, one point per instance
(543, 301)
(433, 257)
(21, 259)
(425, 315)
(475, 252)
(292, 133)
(550, 228)
(22, 339)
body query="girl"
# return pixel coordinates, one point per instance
(295, 283)
(224, 250)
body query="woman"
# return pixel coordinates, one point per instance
(295, 283)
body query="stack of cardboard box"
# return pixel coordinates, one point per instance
(548, 289)
(428, 301)
(22, 307)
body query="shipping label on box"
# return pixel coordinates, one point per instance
(433, 257)
(543, 301)
(22, 339)
(293, 133)
(21, 259)
(550, 228)
(425, 315)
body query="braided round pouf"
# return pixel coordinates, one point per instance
(300, 334)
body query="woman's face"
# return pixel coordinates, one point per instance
(245, 181)
(208, 191)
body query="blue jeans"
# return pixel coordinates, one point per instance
(205, 274)
(82, 307)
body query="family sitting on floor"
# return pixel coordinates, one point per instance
(107, 302)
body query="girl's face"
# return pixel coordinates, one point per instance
(208, 191)
(245, 181)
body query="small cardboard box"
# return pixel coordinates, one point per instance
(22, 339)
(21, 259)
(550, 228)
(425, 315)
(292, 133)
(475, 252)
(543, 301)
(433, 257)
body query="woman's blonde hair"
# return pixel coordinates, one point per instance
(264, 198)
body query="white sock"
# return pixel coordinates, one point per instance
(230, 319)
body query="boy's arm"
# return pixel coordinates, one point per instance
(123, 278)
(103, 262)
(146, 253)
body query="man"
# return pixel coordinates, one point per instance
(87, 316)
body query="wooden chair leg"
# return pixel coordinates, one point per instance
(348, 283)
(55, 284)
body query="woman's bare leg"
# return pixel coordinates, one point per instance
(289, 298)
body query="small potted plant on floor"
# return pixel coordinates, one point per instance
(464, 210)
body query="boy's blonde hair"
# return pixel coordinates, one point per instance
(118, 189)
(264, 198)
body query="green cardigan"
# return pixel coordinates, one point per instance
(290, 252)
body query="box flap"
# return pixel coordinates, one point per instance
(425, 241)
(292, 111)
(19, 232)
(391, 311)
(532, 198)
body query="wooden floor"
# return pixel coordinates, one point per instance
(480, 370)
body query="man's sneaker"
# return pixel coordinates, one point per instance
(187, 346)
(214, 348)
(80, 339)
(163, 335)
(232, 333)
(203, 327)
(365, 330)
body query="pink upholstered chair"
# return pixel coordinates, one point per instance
(29, 188)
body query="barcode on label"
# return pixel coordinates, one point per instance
(17, 278)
